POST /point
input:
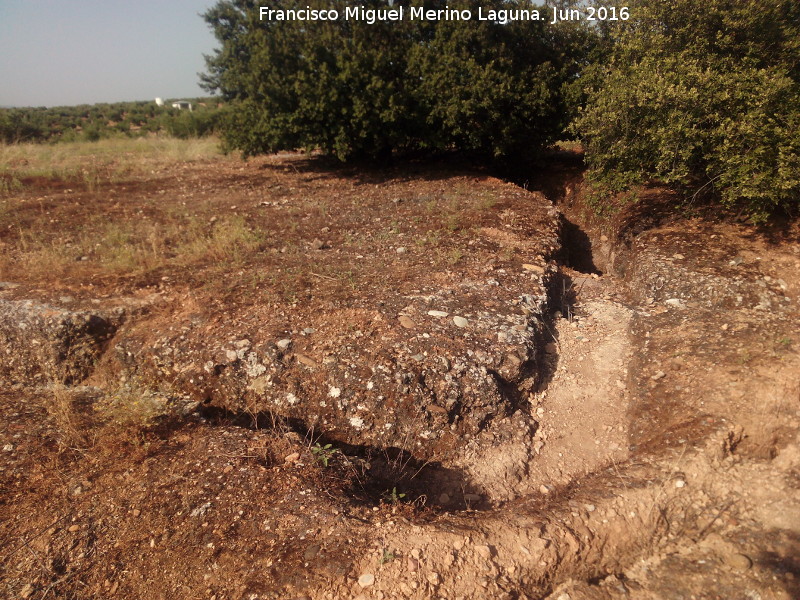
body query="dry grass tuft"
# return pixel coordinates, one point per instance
(132, 408)
(62, 408)
(131, 248)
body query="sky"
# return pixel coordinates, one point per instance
(62, 53)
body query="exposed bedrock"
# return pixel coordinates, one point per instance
(43, 344)
(417, 365)
(440, 370)
(423, 368)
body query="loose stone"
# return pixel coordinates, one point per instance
(739, 562)
(460, 321)
(406, 322)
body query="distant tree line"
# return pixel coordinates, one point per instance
(98, 121)
(700, 95)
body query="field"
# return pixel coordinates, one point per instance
(283, 378)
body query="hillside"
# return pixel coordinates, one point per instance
(284, 379)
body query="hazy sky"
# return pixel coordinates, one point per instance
(57, 52)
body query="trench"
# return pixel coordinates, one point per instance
(576, 248)
(555, 178)
(373, 474)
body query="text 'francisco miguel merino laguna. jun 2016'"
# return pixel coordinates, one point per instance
(419, 13)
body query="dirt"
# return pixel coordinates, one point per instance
(608, 409)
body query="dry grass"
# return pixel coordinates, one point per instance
(123, 414)
(130, 247)
(95, 162)
(61, 408)
(37, 246)
(132, 408)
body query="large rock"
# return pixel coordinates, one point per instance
(377, 382)
(41, 344)
(419, 365)
(677, 268)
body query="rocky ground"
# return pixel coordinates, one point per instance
(299, 381)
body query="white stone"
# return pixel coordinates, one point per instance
(460, 321)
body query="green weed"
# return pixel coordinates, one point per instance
(323, 454)
(393, 497)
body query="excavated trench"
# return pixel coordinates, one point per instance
(609, 459)
(375, 470)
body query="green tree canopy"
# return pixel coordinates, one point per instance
(702, 95)
(356, 89)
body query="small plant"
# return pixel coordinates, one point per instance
(323, 454)
(453, 222)
(61, 407)
(393, 497)
(9, 185)
(486, 201)
(133, 408)
(387, 556)
(91, 176)
(454, 256)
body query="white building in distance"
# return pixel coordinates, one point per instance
(182, 105)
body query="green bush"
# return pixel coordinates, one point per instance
(486, 87)
(356, 90)
(22, 125)
(189, 124)
(338, 86)
(704, 96)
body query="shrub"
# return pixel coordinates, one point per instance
(190, 124)
(101, 121)
(702, 96)
(488, 87)
(353, 89)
